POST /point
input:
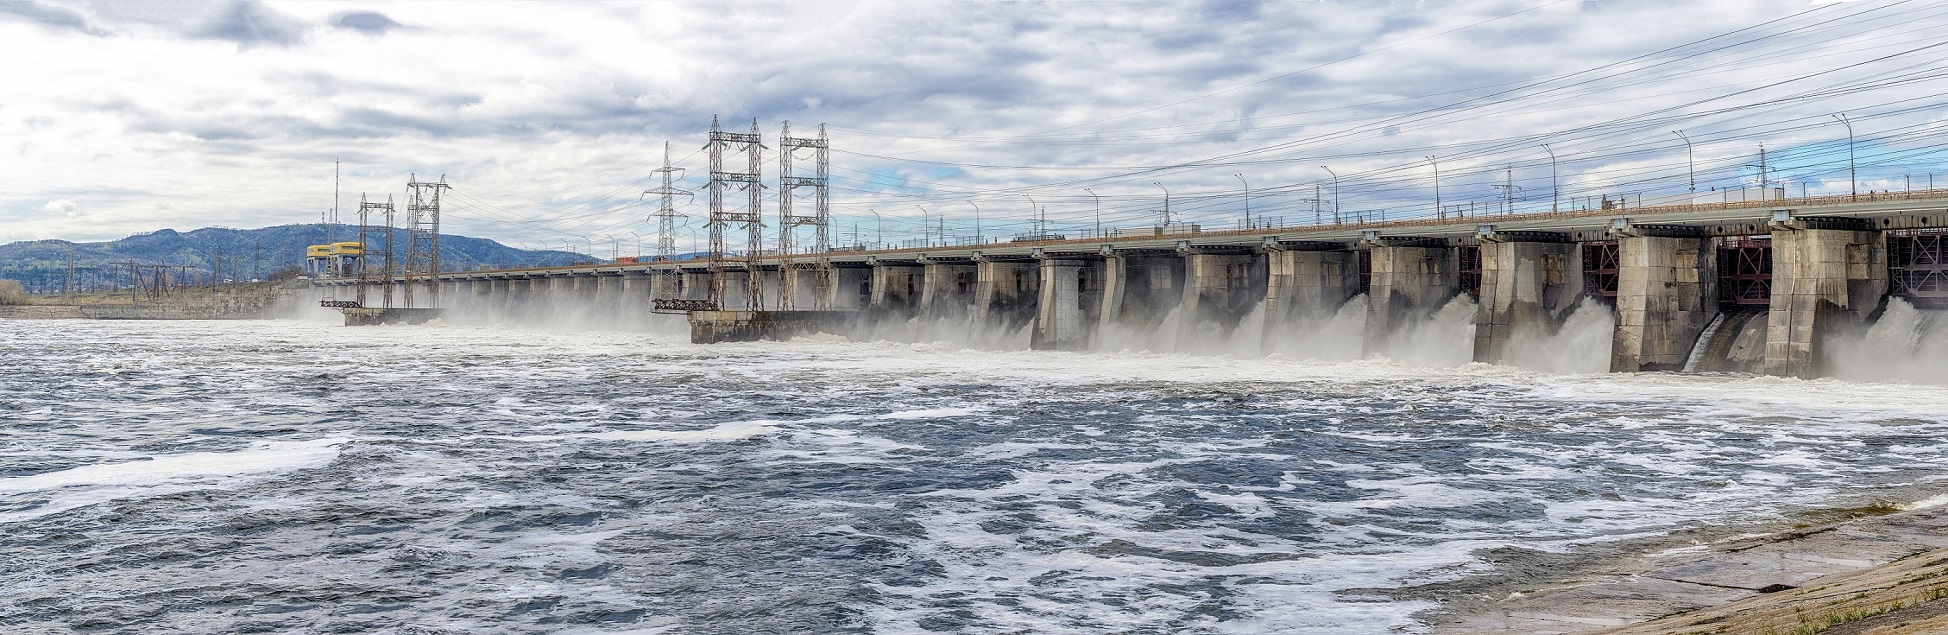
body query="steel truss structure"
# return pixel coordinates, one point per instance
(665, 217)
(1601, 264)
(1469, 269)
(789, 221)
(1744, 272)
(752, 218)
(1918, 267)
(423, 239)
(365, 210)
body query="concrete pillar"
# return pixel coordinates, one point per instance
(801, 284)
(635, 294)
(1006, 292)
(1667, 293)
(949, 290)
(608, 293)
(1140, 290)
(1221, 288)
(896, 288)
(851, 288)
(1407, 283)
(1527, 289)
(1060, 320)
(1307, 285)
(1822, 280)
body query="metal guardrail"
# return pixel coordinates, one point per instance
(340, 304)
(1647, 210)
(682, 306)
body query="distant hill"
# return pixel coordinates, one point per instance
(42, 265)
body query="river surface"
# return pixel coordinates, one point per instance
(291, 476)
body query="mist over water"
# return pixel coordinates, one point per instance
(1581, 344)
(1904, 344)
(301, 476)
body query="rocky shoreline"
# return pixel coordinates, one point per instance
(1879, 572)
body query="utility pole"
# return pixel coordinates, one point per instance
(1508, 189)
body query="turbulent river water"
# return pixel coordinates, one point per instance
(292, 476)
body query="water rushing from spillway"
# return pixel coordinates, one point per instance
(302, 477)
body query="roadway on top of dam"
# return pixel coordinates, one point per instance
(1874, 210)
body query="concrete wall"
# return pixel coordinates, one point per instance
(1667, 292)
(1062, 320)
(1823, 280)
(1527, 288)
(851, 288)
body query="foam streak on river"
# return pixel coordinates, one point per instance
(294, 476)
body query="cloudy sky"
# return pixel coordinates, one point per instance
(546, 118)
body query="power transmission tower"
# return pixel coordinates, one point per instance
(752, 217)
(666, 223)
(365, 209)
(788, 221)
(423, 238)
(1508, 189)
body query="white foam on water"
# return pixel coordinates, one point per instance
(732, 431)
(54, 492)
(931, 413)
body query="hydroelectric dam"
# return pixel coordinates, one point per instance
(1758, 286)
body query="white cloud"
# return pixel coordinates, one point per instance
(63, 208)
(548, 116)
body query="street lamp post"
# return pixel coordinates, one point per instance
(925, 226)
(1034, 217)
(879, 229)
(1438, 212)
(1853, 178)
(1166, 204)
(1335, 193)
(977, 223)
(1099, 211)
(1690, 164)
(1241, 179)
(1554, 190)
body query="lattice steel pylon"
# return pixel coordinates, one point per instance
(365, 209)
(752, 217)
(665, 217)
(789, 222)
(390, 268)
(423, 238)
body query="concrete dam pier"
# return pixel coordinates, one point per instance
(1755, 286)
